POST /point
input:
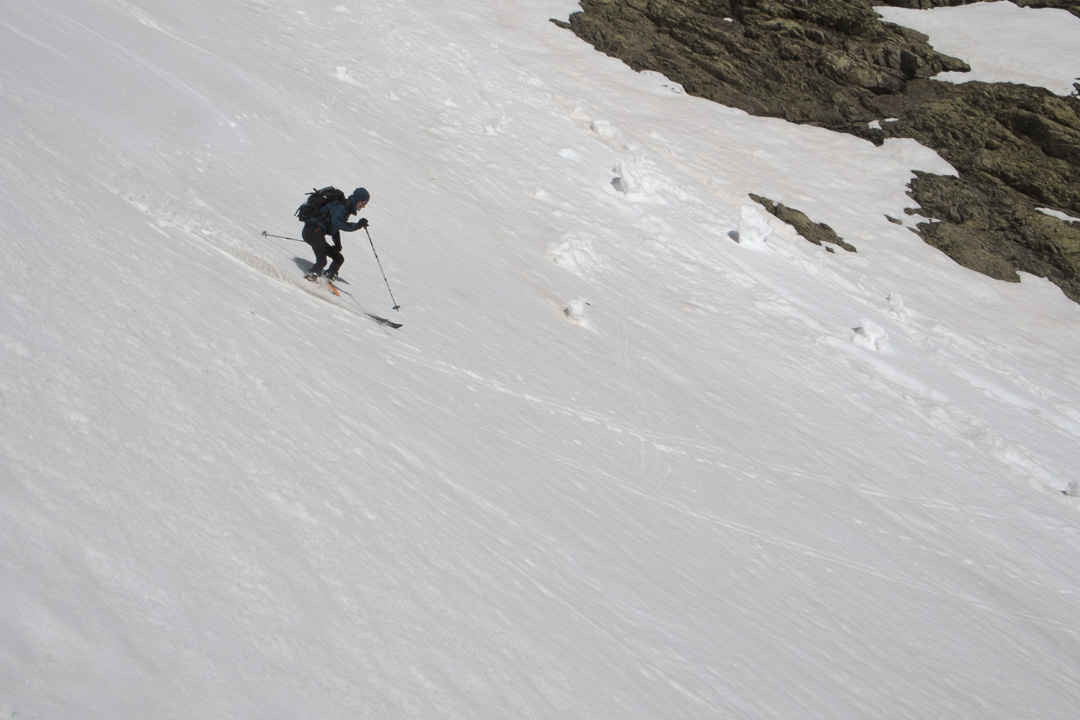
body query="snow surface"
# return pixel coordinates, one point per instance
(1001, 42)
(617, 464)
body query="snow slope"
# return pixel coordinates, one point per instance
(615, 465)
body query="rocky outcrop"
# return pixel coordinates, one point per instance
(815, 232)
(820, 61)
(835, 64)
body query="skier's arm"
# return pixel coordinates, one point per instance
(339, 223)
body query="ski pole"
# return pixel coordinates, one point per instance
(396, 306)
(280, 237)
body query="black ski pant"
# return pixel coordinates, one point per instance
(315, 236)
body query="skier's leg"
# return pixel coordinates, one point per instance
(339, 260)
(334, 251)
(315, 237)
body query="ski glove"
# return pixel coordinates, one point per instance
(361, 223)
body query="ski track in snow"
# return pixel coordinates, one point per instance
(639, 451)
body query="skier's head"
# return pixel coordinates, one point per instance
(360, 197)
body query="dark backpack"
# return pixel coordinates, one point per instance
(317, 201)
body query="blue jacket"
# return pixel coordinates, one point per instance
(333, 218)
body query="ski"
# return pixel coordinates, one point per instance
(337, 293)
(383, 321)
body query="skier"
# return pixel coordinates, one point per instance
(331, 220)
